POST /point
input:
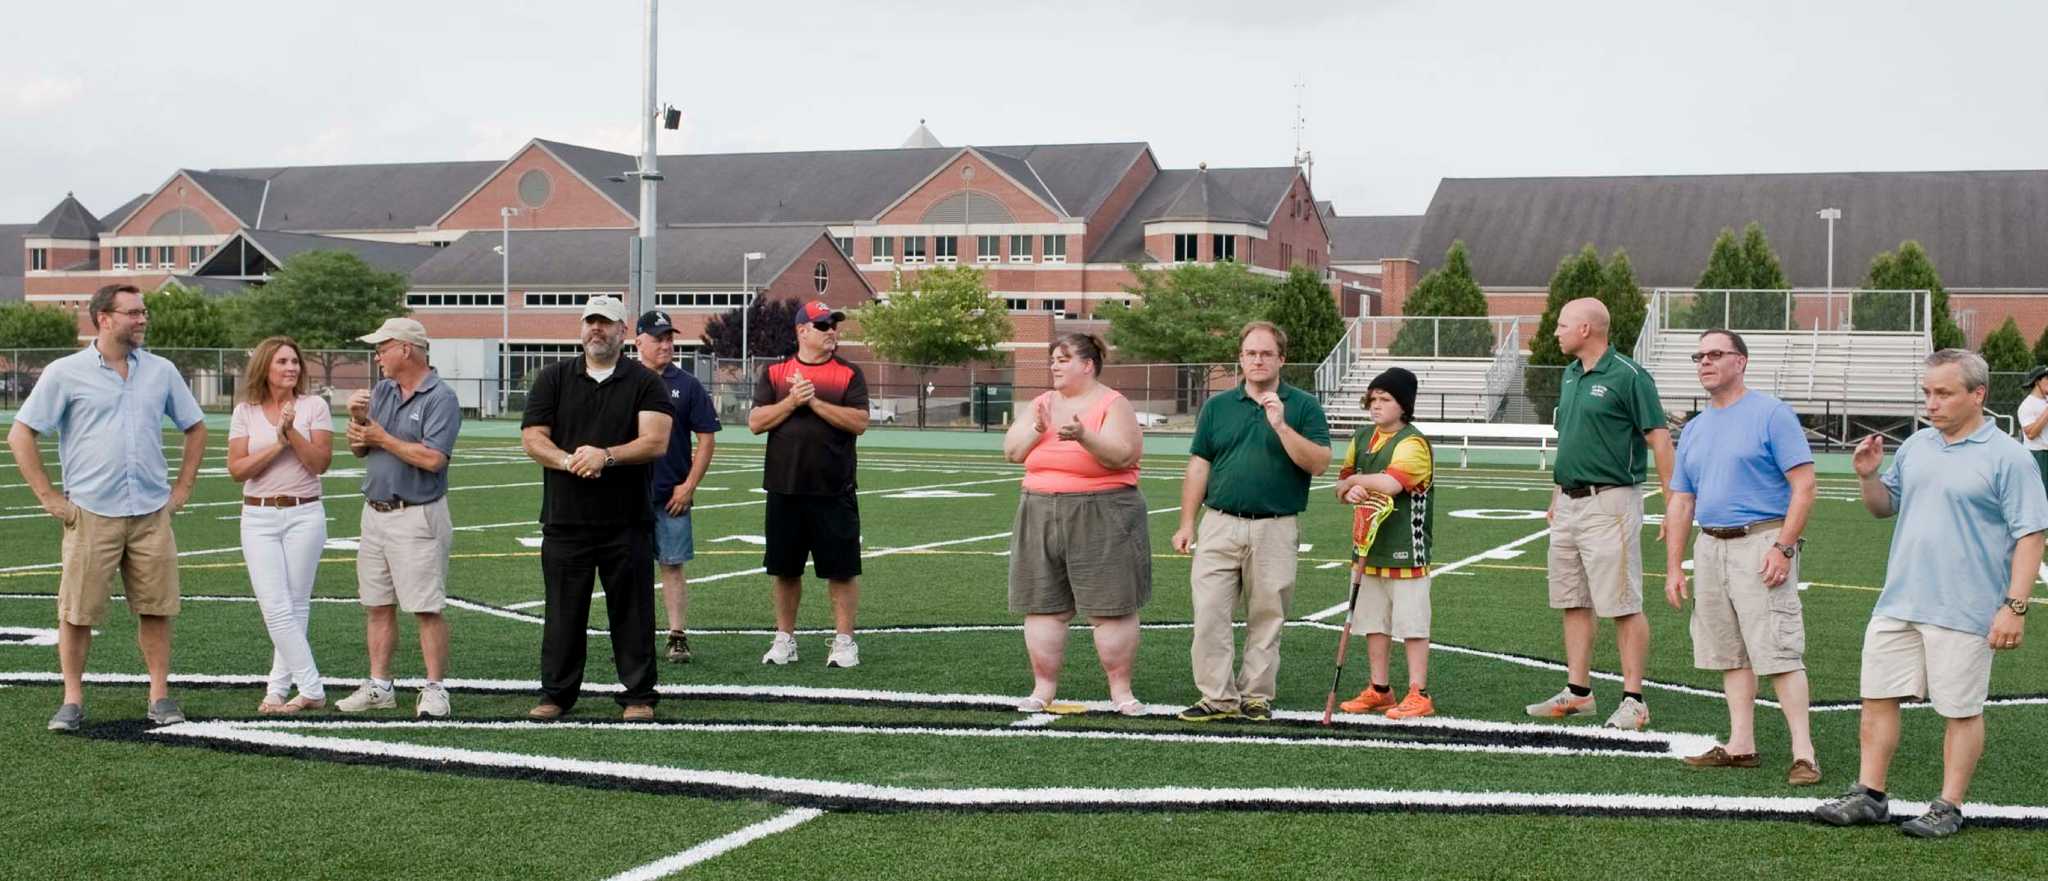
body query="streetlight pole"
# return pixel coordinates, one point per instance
(746, 311)
(505, 297)
(1831, 215)
(640, 295)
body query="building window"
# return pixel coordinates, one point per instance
(167, 256)
(1184, 246)
(445, 299)
(1055, 249)
(121, 257)
(141, 257)
(1224, 247)
(38, 259)
(885, 249)
(845, 245)
(700, 300)
(1020, 249)
(1313, 257)
(988, 249)
(195, 255)
(1017, 304)
(913, 249)
(1057, 307)
(819, 277)
(564, 299)
(1286, 256)
(524, 358)
(945, 249)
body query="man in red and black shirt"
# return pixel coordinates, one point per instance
(812, 406)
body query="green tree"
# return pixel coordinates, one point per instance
(2005, 350)
(1578, 275)
(324, 300)
(770, 327)
(1627, 308)
(945, 319)
(1907, 269)
(1747, 264)
(2041, 347)
(29, 326)
(181, 319)
(1303, 308)
(1188, 314)
(1447, 291)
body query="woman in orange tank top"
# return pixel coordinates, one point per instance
(1081, 541)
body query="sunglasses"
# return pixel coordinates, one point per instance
(825, 326)
(1711, 355)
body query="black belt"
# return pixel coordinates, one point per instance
(1249, 516)
(1580, 492)
(1728, 532)
(386, 507)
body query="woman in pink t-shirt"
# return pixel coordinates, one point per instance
(280, 441)
(1081, 541)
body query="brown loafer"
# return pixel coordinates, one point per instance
(544, 712)
(1721, 758)
(638, 713)
(1803, 773)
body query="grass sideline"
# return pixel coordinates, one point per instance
(144, 807)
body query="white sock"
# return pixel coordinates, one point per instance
(382, 684)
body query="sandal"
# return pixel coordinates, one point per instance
(272, 705)
(1031, 705)
(302, 703)
(1132, 707)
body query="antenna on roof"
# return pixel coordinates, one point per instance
(1303, 159)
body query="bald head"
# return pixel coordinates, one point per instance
(1581, 323)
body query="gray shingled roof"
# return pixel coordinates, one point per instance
(1080, 176)
(281, 246)
(1983, 229)
(1228, 194)
(687, 256)
(395, 196)
(113, 219)
(1367, 239)
(599, 167)
(69, 220)
(241, 196)
(12, 255)
(219, 287)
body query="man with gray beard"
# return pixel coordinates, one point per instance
(594, 423)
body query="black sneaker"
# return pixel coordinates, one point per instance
(1204, 711)
(1853, 808)
(1941, 821)
(1256, 710)
(678, 648)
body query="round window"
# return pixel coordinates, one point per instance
(819, 277)
(535, 187)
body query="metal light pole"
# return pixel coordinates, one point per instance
(640, 295)
(505, 296)
(746, 310)
(1831, 215)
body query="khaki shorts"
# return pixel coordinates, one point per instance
(1397, 607)
(141, 548)
(1081, 552)
(402, 557)
(1596, 552)
(1908, 659)
(1737, 622)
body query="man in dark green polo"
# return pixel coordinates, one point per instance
(1255, 449)
(1609, 423)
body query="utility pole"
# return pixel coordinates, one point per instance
(640, 259)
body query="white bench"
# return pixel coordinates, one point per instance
(1488, 435)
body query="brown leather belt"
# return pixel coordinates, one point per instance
(1580, 492)
(278, 501)
(1727, 532)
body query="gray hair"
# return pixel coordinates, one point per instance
(1976, 373)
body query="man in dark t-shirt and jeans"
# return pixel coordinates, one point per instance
(593, 423)
(812, 406)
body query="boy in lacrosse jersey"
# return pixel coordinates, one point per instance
(1386, 477)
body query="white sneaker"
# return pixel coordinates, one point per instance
(845, 653)
(433, 702)
(368, 697)
(782, 650)
(1630, 716)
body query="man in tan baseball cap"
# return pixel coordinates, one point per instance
(607, 308)
(404, 330)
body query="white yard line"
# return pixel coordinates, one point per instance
(723, 844)
(1488, 554)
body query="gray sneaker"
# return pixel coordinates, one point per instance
(164, 711)
(368, 697)
(1854, 808)
(68, 718)
(1941, 821)
(433, 703)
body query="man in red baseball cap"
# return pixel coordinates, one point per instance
(812, 405)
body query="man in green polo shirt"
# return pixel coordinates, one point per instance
(1255, 449)
(1609, 423)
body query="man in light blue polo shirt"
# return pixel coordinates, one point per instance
(107, 403)
(1745, 466)
(1971, 512)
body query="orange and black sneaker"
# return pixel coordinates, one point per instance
(1414, 705)
(1371, 700)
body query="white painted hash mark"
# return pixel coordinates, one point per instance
(720, 846)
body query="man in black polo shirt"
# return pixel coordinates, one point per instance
(594, 423)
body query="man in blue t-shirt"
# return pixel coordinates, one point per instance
(1745, 473)
(1957, 587)
(673, 478)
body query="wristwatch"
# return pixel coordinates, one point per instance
(608, 460)
(1787, 550)
(2016, 605)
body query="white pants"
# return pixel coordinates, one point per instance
(282, 549)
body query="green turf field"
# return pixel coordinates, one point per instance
(912, 765)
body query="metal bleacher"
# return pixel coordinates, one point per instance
(1454, 388)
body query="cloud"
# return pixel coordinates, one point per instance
(40, 93)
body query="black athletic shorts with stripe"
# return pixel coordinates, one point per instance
(824, 529)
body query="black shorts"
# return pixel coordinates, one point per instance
(826, 529)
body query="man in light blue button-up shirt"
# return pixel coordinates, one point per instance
(107, 403)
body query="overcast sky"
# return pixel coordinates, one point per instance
(108, 99)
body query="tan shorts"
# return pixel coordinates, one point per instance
(1397, 607)
(402, 557)
(1907, 659)
(1596, 552)
(141, 548)
(1737, 622)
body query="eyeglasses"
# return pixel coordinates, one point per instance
(131, 313)
(1711, 355)
(825, 326)
(1260, 356)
